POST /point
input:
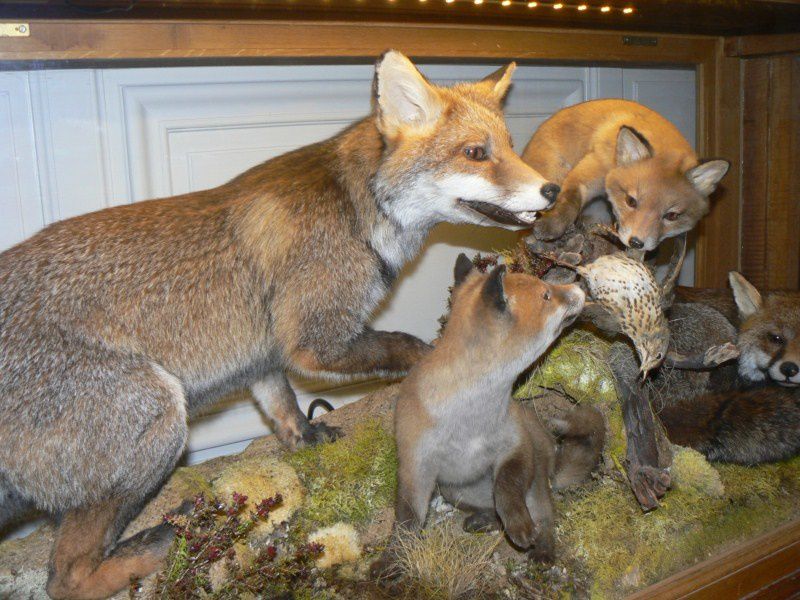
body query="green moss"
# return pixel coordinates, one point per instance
(577, 365)
(624, 549)
(347, 480)
(691, 471)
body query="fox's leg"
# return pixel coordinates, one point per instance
(87, 561)
(540, 506)
(12, 506)
(415, 485)
(583, 183)
(512, 481)
(371, 353)
(279, 403)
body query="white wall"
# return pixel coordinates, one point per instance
(81, 140)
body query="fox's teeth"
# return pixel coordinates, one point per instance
(528, 216)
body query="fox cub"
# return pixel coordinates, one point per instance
(457, 426)
(754, 417)
(654, 182)
(116, 326)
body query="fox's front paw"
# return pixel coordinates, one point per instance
(550, 226)
(480, 522)
(318, 433)
(521, 532)
(307, 434)
(543, 548)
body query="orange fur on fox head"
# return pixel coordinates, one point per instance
(520, 309)
(769, 338)
(448, 152)
(655, 197)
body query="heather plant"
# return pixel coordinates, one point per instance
(207, 538)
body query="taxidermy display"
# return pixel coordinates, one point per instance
(118, 325)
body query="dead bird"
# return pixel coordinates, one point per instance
(628, 290)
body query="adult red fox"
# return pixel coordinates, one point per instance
(654, 182)
(754, 417)
(117, 325)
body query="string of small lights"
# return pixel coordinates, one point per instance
(604, 8)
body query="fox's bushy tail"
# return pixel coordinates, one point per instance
(750, 426)
(581, 434)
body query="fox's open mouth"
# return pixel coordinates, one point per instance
(499, 214)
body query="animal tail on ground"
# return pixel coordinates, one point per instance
(581, 435)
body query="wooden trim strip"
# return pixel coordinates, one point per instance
(762, 45)
(159, 40)
(752, 569)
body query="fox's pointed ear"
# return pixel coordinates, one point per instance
(748, 300)
(705, 176)
(497, 84)
(494, 292)
(462, 269)
(402, 96)
(632, 146)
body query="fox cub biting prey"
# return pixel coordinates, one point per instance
(457, 426)
(118, 325)
(654, 182)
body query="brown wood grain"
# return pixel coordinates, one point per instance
(783, 208)
(771, 182)
(159, 40)
(764, 567)
(755, 165)
(717, 243)
(759, 45)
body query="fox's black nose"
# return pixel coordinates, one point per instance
(789, 369)
(550, 192)
(636, 243)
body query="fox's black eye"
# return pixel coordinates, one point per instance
(547, 295)
(475, 152)
(776, 339)
(631, 201)
(672, 216)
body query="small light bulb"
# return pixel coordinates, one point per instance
(558, 6)
(582, 7)
(478, 1)
(627, 11)
(449, 1)
(533, 4)
(605, 9)
(506, 3)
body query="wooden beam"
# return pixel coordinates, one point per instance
(762, 45)
(717, 238)
(87, 41)
(757, 568)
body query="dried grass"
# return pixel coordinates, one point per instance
(444, 563)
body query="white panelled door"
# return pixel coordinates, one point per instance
(81, 140)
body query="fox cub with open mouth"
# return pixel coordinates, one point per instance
(457, 426)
